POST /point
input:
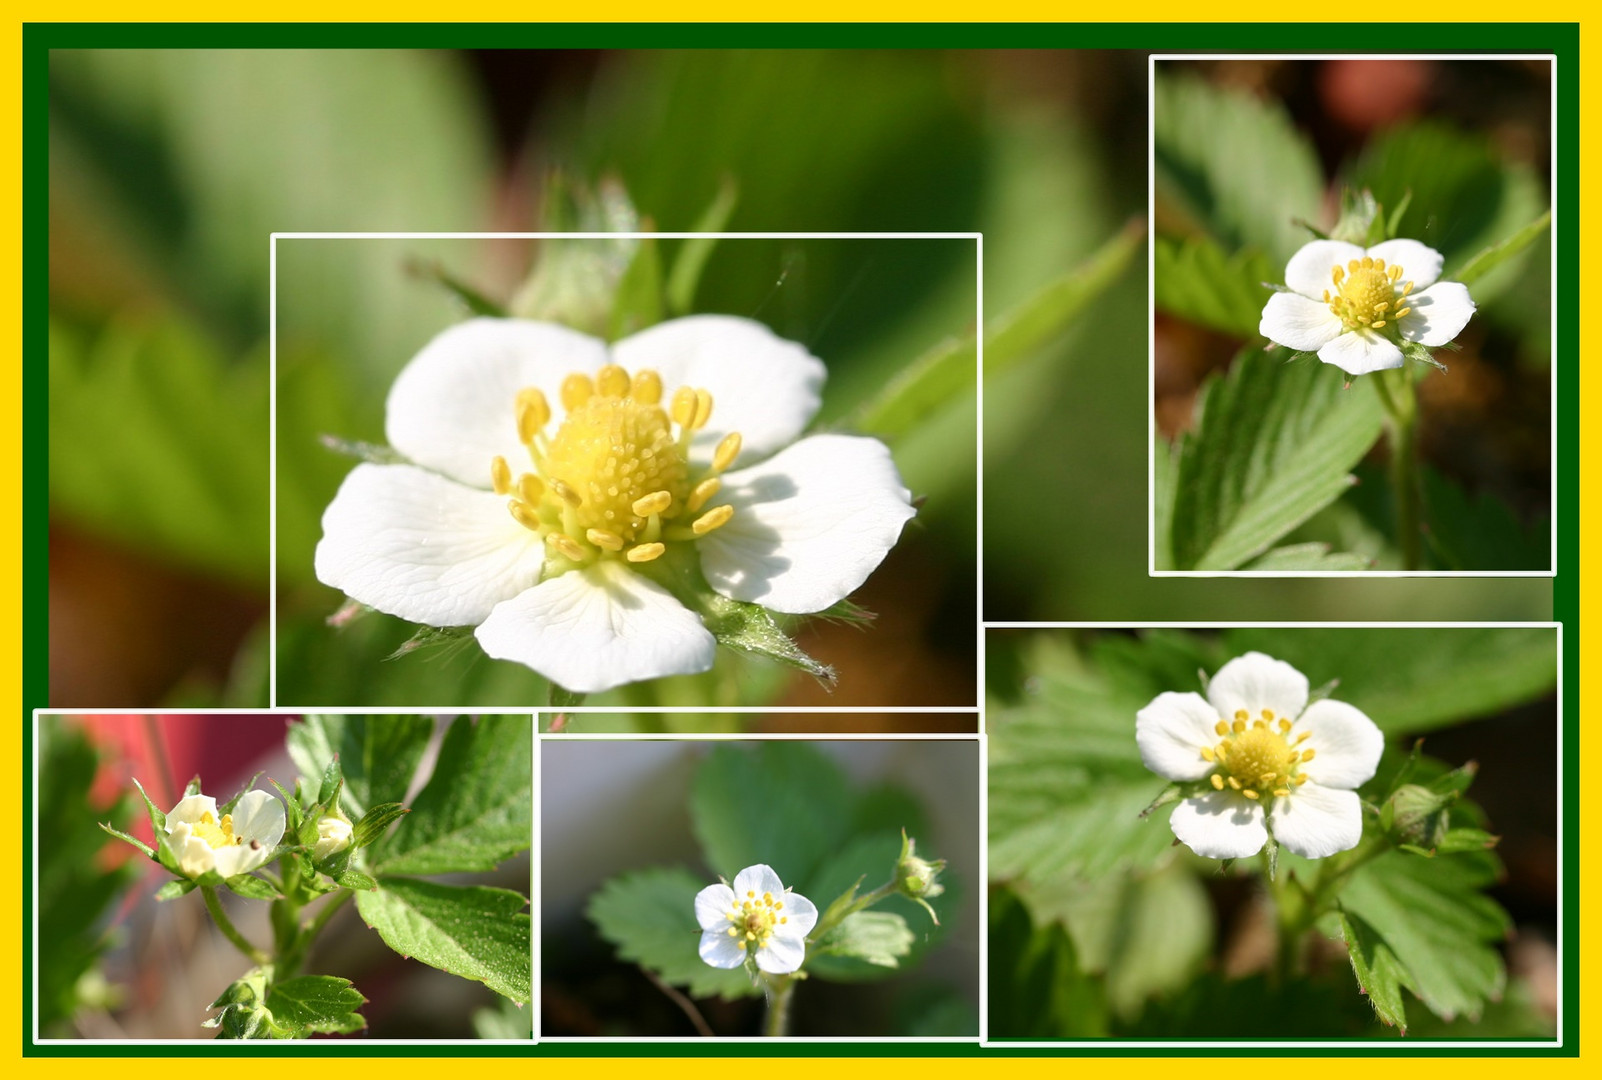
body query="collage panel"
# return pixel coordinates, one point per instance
(352, 878)
(1352, 349)
(783, 887)
(1276, 834)
(627, 501)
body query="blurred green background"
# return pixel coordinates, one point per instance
(168, 169)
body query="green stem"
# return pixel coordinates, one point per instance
(294, 954)
(837, 915)
(1395, 388)
(780, 990)
(1297, 908)
(229, 931)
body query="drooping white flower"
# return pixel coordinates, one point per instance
(233, 843)
(549, 470)
(333, 836)
(757, 917)
(1275, 764)
(1353, 306)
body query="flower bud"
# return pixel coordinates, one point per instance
(333, 836)
(917, 879)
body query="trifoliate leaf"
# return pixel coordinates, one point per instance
(880, 938)
(649, 915)
(473, 931)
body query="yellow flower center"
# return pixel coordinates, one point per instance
(216, 833)
(753, 920)
(614, 480)
(1258, 757)
(1367, 293)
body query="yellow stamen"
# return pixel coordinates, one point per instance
(524, 515)
(603, 539)
(727, 451)
(654, 503)
(530, 488)
(533, 413)
(712, 519)
(645, 552)
(576, 390)
(566, 546)
(703, 491)
(611, 381)
(647, 387)
(683, 408)
(501, 476)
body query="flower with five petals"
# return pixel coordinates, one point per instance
(755, 918)
(233, 843)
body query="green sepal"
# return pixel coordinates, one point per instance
(1361, 221)
(562, 698)
(158, 820)
(1394, 221)
(1272, 848)
(694, 252)
(373, 454)
(841, 904)
(292, 811)
(228, 807)
(355, 879)
(125, 838)
(433, 271)
(251, 887)
(1167, 796)
(333, 781)
(433, 637)
(176, 888)
(637, 303)
(374, 822)
(193, 787)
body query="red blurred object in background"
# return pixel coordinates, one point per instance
(1365, 95)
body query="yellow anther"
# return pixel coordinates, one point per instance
(612, 381)
(683, 408)
(603, 539)
(1336, 275)
(1403, 311)
(712, 519)
(1379, 324)
(655, 503)
(576, 390)
(1303, 737)
(1234, 783)
(752, 894)
(703, 491)
(1281, 792)
(777, 904)
(1222, 727)
(501, 476)
(741, 944)
(1218, 781)
(524, 515)
(530, 488)
(1268, 714)
(767, 898)
(785, 919)
(749, 936)
(1299, 780)
(1207, 754)
(566, 546)
(1260, 724)
(1379, 264)
(647, 388)
(1284, 724)
(533, 413)
(1238, 726)
(1355, 265)
(727, 451)
(1242, 714)
(1249, 793)
(645, 552)
(703, 409)
(566, 494)
(1395, 272)
(1307, 755)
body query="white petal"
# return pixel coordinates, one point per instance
(1358, 352)
(780, 956)
(592, 629)
(414, 544)
(241, 858)
(1255, 682)
(1171, 732)
(720, 950)
(802, 913)
(1316, 822)
(1438, 314)
(762, 386)
(1420, 264)
(191, 808)
(712, 906)
(453, 408)
(1298, 322)
(810, 524)
(195, 856)
(1346, 744)
(1309, 270)
(259, 816)
(1220, 825)
(756, 880)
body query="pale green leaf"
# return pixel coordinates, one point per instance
(1492, 257)
(1038, 988)
(1379, 975)
(693, 253)
(317, 1003)
(474, 931)
(1312, 556)
(377, 754)
(649, 915)
(1196, 281)
(879, 938)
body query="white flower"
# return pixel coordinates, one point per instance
(551, 469)
(231, 844)
(757, 917)
(1276, 764)
(1352, 306)
(333, 836)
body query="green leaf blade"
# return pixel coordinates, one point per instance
(317, 1003)
(476, 932)
(649, 915)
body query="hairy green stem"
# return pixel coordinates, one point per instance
(229, 931)
(1298, 908)
(292, 956)
(780, 990)
(1395, 388)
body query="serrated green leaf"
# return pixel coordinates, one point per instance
(1415, 681)
(377, 754)
(805, 813)
(355, 879)
(752, 629)
(1274, 443)
(477, 808)
(374, 822)
(879, 938)
(1437, 923)
(1194, 280)
(317, 1003)
(1037, 987)
(172, 890)
(649, 915)
(473, 931)
(328, 790)
(252, 888)
(1380, 975)
(1313, 556)
(1234, 164)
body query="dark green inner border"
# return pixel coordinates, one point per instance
(1560, 39)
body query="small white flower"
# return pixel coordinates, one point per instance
(231, 844)
(1276, 764)
(757, 917)
(333, 836)
(1352, 306)
(549, 469)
